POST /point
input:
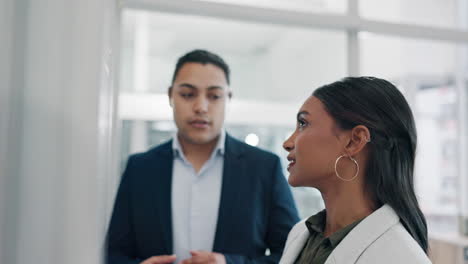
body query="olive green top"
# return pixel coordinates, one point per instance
(318, 247)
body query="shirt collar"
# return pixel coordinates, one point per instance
(220, 145)
(316, 224)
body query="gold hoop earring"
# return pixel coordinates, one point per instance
(338, 175)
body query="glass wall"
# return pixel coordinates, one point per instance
(434, 13)
(430, 75)
(276, 66)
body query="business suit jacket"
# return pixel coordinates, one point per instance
(256, 208)
(379, 238)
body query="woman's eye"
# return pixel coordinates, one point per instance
(301, 123)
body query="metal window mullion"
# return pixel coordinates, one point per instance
(462, 92)
(353, 63)
(353, 43)
(462, 109)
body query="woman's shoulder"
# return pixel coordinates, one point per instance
(394, 246)
(379, 238)
(297, 229)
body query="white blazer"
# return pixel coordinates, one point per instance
(379, 238)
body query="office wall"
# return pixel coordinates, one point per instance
(57, 71)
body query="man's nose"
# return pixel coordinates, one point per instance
(201, 105)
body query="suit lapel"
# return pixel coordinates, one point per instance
(161, 185)
(233, 179)
(363, 235)
(294, 249)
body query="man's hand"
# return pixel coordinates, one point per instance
(204, 257)
(165, 259)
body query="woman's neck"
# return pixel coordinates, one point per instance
(345, 203)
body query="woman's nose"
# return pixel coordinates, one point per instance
(288, 145)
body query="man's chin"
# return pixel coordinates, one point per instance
(201, 139)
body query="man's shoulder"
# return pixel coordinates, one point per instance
(155, 152)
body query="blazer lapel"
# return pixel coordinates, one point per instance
(233, 179)
(364, 234)
(161, 183)
(294, 248)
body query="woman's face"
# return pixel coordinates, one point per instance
(314, 146)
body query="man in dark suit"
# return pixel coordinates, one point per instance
(203, 197)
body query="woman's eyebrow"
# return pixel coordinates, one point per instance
(302, 113)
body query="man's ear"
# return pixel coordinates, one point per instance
(359, 136)
(169, 94)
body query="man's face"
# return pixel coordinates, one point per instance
(198, 98)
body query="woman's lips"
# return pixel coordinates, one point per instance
(291, 164)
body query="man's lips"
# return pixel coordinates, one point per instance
(199, 123)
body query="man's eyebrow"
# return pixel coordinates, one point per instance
(191, 86)
(215, 87)
(187, 85)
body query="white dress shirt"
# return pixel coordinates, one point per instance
(195, 200)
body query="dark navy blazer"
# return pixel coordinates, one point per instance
(256, 209)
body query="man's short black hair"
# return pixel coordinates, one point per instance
(203, 57)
